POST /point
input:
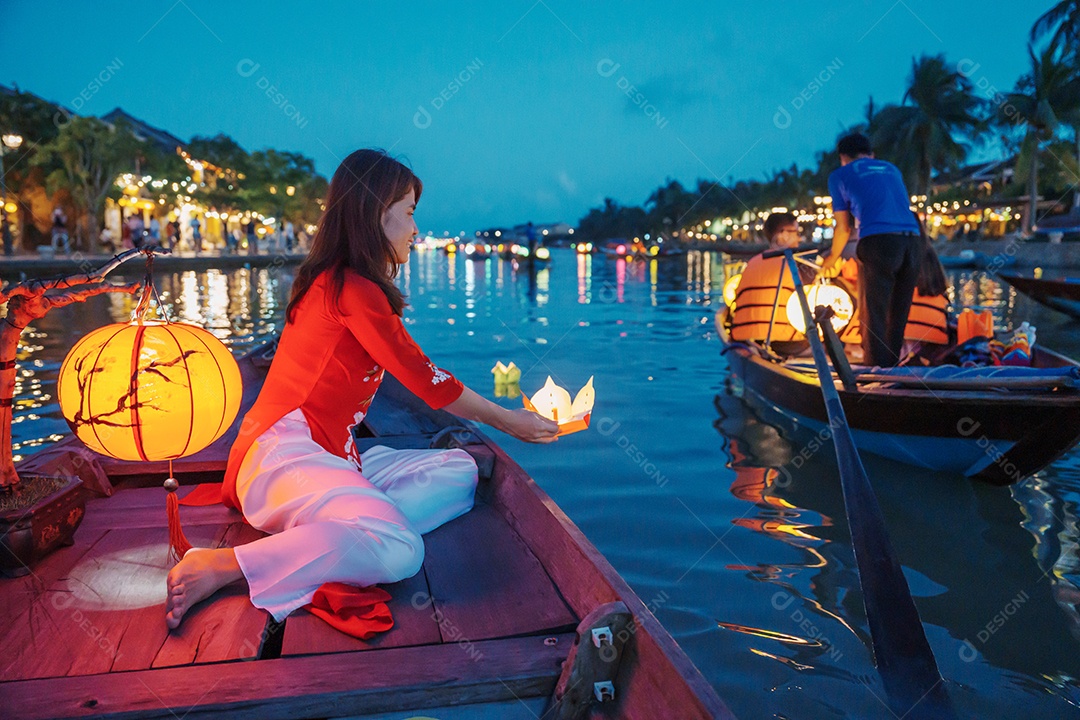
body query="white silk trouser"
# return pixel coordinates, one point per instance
(328, 522)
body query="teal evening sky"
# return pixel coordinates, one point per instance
(515, 110)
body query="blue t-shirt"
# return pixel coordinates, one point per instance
(873, 192)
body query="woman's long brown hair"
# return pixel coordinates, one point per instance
(350, 234)
(931, 280)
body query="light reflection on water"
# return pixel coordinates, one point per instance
(677, 483)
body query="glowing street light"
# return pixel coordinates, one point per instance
(11, 141)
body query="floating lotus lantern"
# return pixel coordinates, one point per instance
(553, 402)
(507, 378)
(822, 294)
(150, 390)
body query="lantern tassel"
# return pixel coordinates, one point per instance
(178, 542)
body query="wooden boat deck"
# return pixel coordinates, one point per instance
(481, 631)
(97, 608)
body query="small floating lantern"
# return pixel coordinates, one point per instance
(822, 294)
(507, 378)
(553, 402)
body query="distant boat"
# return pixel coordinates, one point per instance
(1061, 295)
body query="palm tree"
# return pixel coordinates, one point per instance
(671, 202)
(1041, 100)
(919, 135)
(1063, 21)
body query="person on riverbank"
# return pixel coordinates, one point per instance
(155, 230)
(290, 236)
(137, 230)
(252, 237)
(871, 193)
(196, 234)
(59, 230)
(174, 233)
(105, 240)
(335, 514)
(756, 295)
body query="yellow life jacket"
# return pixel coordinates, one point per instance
(755, 299)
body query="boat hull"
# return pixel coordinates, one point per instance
(991, 436)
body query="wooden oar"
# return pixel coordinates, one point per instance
(901, 651)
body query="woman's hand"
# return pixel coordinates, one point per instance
(522, 424)
(530, 426)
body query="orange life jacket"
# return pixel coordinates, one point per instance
(970, 325)
(755, 298)
(928, 320)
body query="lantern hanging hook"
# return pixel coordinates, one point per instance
(149, 290)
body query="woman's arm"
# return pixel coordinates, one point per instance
(522, 424)
(373, 323)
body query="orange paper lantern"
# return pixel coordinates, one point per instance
(149, 390)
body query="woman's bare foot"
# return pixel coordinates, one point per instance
(201, 573)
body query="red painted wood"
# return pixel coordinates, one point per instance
(106, 613)
(17, 594)
(357, 683)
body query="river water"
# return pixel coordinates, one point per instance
(748, 566)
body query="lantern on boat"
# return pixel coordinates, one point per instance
(553, 402)
(150, 390)
(731, 289)
(822, 294)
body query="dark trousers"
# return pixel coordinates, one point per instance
(888, 272)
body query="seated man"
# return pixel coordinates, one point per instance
(757, 292)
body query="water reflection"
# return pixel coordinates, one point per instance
(997, 568)
(584, 278)
(776, 623)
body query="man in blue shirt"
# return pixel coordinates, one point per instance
(872, 192)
